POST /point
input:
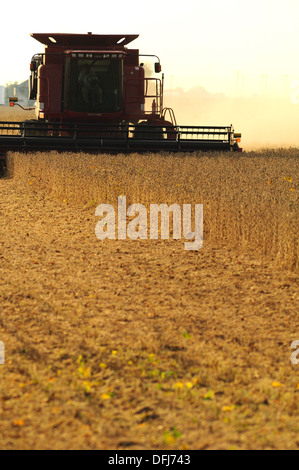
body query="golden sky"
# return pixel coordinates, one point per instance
(231, 46)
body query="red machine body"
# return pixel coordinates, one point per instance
(116, 90)
(92, 94)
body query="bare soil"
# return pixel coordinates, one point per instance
(139, 344)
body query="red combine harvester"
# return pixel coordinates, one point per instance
(91, 94)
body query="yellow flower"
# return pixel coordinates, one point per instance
(226, 408)
(105, 396)
(276, 384)
(84, 372)
(209, 396)
(179, 385)
(87, 386)
(18, 422)
(169, 439)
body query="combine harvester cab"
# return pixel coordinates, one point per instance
(92, 94)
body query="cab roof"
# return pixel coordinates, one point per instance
(84, 40)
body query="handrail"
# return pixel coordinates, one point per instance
(171, 114)
(158, 96)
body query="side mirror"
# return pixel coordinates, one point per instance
(33, 66)
(158, 67)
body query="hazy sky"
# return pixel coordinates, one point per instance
(223, 45)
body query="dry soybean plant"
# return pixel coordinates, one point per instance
(250, 200)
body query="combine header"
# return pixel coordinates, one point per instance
(92, 94)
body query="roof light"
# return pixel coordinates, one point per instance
(121, 40)
(52, 39)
